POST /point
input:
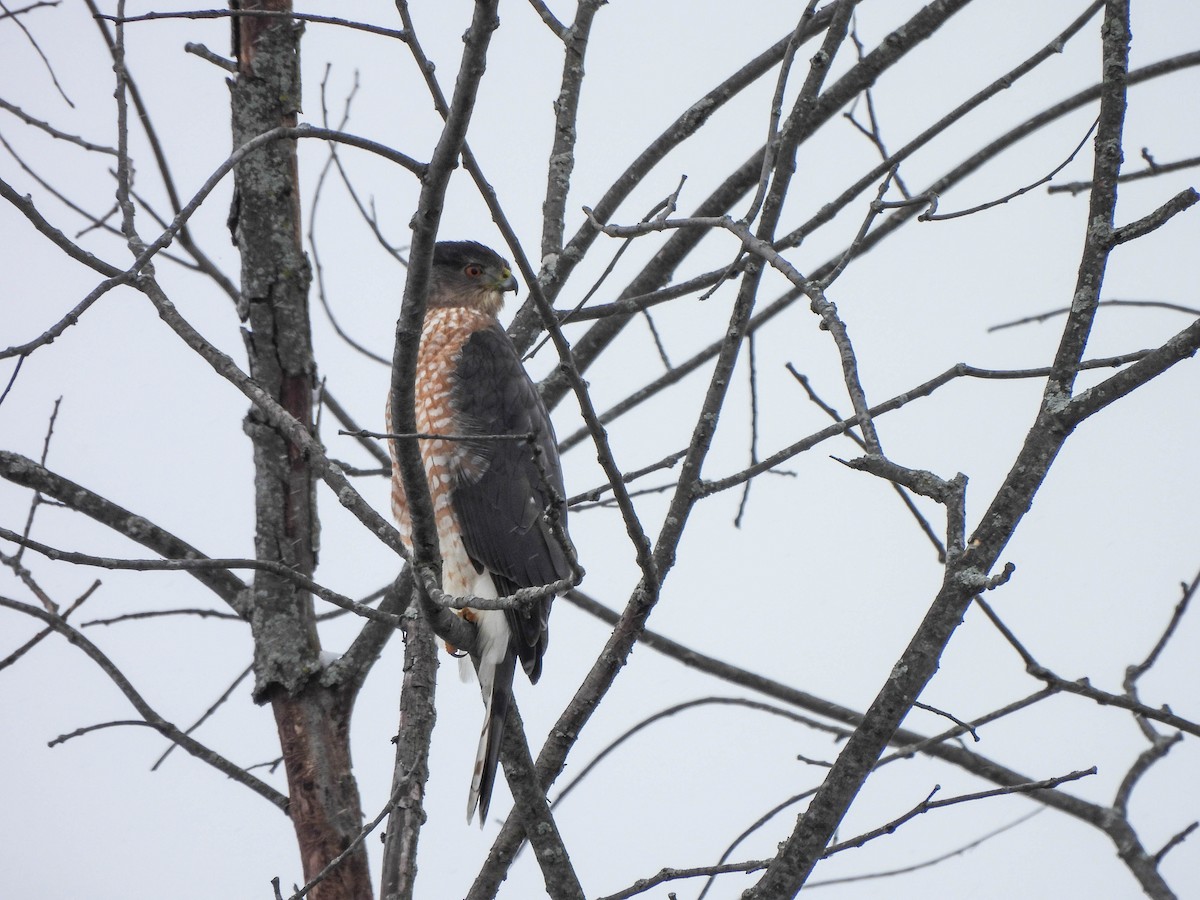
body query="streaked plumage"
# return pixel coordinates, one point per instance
(489, 497)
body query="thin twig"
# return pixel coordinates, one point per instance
(46, 632)
(350, 848)
(150, 717)
(924, 864)
(1133, 673)
(54, 132)
(15, 16)
(40, 4)
(262, 14)
(207, 714)
(675, 710)
(929, 804)
(931, 216)
(903, 494)
(1145, 304)
(173, 565)
(1076, 187)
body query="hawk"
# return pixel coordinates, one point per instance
(491, 498)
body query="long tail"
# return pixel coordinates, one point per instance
(497, 695)
(494, 665)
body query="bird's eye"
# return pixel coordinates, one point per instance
(473, 270)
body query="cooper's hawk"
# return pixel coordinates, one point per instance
(491, 498)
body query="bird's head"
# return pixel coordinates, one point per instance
(468, 274)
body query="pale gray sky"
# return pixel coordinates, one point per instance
(822, 586)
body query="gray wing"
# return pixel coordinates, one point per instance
(499, 494)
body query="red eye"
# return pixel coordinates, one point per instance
(473, 270)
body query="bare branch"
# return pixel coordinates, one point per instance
(812, 832)
(566, 111)
(1157, 751)
(772, 144)
(173, 565)
(667, 462)
(54, 132)
(426, 557)
(410, 772)
(926, 528)
(1146, 304)
(351, 847)
(314, 249)
(215, 58)
(556, 271)
(207, 714)
(40, 4)
(343, 416)
(116, 276)
(1084, 688)
(46, 632)
(20, 470)
(560, 30)
(904, 870)
(160, 613)
(675, 710)
(1185, 199)
(962, 370)
(1133, 673)
(1156, 70)
(260, 14)
(932, 216)
(150, 717)
(1152, 171)
(1174, 842)
(531, 808)
(644, 884)
(930, 804)
(1181, 346)
(15, 16)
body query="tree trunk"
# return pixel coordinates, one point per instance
(312, 720)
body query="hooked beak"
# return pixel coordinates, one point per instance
(506, 281)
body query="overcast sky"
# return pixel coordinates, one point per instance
(820, 588)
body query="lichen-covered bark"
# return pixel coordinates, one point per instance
(312, 719)
(417, 716)
(275, 276)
